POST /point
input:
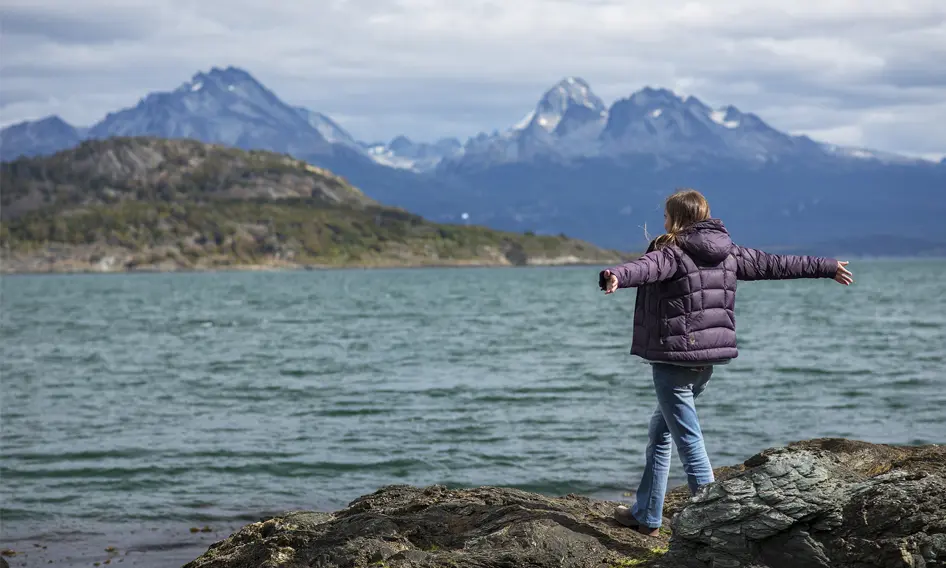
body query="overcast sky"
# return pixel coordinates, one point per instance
(858, 72)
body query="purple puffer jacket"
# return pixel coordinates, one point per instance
(687, 294)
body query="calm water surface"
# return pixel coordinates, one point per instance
(178, 400)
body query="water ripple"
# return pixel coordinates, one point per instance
(206, 397)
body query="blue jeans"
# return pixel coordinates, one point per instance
(674, 420)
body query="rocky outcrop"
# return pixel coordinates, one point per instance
(820, 503)
(401, 527)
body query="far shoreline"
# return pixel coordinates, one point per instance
(377, 267)
(304, 268)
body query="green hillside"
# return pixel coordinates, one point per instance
(153, 204)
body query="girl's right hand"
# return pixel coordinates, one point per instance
(843, 275)
(608, 281)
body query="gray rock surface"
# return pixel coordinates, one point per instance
(821, 503)
(401, 526)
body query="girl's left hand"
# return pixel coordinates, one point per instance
(843, 275)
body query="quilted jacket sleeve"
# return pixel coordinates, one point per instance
(652, 267)
(752, 264)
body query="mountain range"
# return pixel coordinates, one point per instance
(573, 164)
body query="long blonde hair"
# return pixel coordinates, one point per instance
(683, 208)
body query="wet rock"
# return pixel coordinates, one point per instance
(823, 503)
(401, 527)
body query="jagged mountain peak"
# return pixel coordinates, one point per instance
(555, 103)
(574, 88)
(219, 80)
(650, 96)
(654, 98)
(229, 72)
(654, 103)
(224, 106)
(570, 121)
(684, 127)
(571, 91)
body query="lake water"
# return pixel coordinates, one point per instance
(137, 406)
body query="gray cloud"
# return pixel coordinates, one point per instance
(842, 71)
(68, 27)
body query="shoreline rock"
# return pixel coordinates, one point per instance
(819, 503)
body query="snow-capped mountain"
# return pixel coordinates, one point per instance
(566, 122)
(570, 121)
(404, 153)
(566, 107)
(225, 106)
(228, 106)
(659, 122)
(46, 136)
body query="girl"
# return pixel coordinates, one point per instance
(684, 325)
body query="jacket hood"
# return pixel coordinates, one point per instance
(707, 241)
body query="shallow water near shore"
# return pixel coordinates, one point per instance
(135, 407)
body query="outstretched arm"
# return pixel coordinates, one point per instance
(753, 264)
(652, 267)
